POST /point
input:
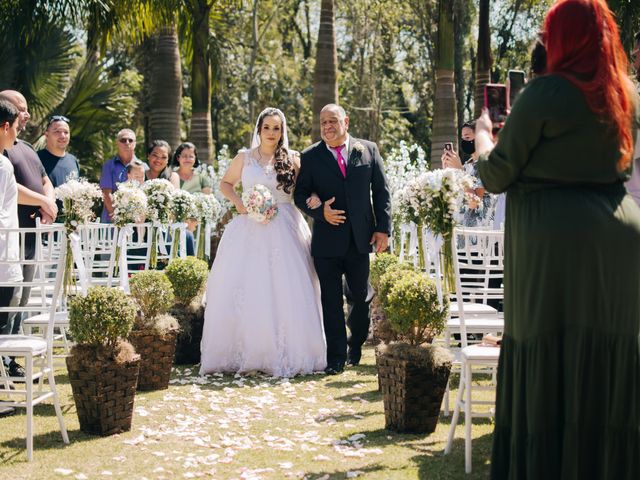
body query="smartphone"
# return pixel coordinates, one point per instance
(495, 100)
(448, 146)
(515, 83)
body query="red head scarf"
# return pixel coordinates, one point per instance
(583, 45)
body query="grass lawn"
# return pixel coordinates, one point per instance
(314, 427)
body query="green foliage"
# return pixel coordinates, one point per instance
(153, 292)
(412, 307)
(393, 273)
(188, 276)
(379, 267)
(102, 317)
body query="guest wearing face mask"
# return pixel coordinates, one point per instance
(480, 211)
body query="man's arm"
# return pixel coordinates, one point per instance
(380, 194)
(304, 189)
(106, 199)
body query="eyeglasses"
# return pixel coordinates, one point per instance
(127, 140)
(58, 118)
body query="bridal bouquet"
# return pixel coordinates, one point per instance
(208, 211)
(78, 197)
(159, 194)
(260, 204)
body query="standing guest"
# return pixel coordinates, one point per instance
(9, 246)
(57, 162)
(347, 174)
(633, 184)
(569, 372)
(158, 156)
(185, 160)
(36, 198)
(114, 170)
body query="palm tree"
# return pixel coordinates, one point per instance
(325, 83)
(483, 59)
(444, 116)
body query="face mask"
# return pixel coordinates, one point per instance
(468, 146)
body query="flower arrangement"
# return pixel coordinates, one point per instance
(358, 147)
(223, 160)
(159, 194)
(183, 209)
(78, 197)
(129, 204)
(434, 199)
(260, 204)
(208, 211)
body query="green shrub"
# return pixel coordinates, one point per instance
(379, 267)
(153, 292)
(393, 272)
(188, 276)
(102, 317)
(412, 307)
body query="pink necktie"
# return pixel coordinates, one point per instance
(340, 158)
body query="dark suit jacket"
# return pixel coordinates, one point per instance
(365, 182)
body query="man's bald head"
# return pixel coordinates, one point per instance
(17, 99)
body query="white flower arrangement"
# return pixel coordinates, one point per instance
(358, 147)
(129, 204)
(260, 204)
(207, 207)
(434, 198)
(215, 174)
(183, 206)
(78, 197)
(159, 194)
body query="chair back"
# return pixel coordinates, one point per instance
(478, 257)
(48, 262)
(98, 246)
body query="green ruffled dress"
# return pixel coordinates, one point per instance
(568, 400)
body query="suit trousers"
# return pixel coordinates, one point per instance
(355, 268)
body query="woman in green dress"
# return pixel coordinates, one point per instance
(185, 161)
(568, 399)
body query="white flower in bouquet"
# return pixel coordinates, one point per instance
(78, 197)
(129, 204)
(260, 204)
(207, 207)
(183, 206)
(160, 194)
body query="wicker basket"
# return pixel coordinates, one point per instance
(412, 387)
(157, 352)
(103, 391)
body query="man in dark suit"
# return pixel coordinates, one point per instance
(347, 174)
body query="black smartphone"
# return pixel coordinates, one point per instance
(495, 100)
(516, 81)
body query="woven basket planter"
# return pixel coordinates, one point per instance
(413, 381)
(103, 392)
(157, 351)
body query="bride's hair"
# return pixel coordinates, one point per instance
(285, 173)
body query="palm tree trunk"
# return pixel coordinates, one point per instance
(483, 61)
(166, 88)
(444, 116)
(201, 126)
(325, 82)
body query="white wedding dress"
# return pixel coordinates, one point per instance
(263, 297)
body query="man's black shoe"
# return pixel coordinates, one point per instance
(353, 357)
(15, 369)
(334, 369)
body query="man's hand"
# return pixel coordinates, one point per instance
(333, 217)
(49, 208)
(45, 219)
(380, 240)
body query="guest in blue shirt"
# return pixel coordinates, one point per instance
(57, 162)
(114, 170)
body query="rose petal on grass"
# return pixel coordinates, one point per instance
(355, 474)
(63, 471)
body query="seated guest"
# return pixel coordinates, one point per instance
(158, 156)
(136, 171)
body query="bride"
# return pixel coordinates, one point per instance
(263, 297)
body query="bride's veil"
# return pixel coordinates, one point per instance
(255, 140)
